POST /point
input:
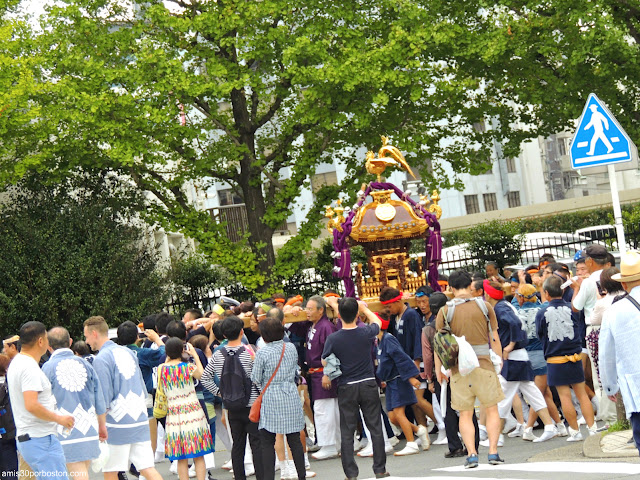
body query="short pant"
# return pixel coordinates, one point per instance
(121, 456)
(481, 384)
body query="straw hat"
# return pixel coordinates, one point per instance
(629, 268)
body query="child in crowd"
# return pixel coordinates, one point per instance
(399, 372)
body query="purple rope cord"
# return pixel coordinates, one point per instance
(342, 252)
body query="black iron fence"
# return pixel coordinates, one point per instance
(306, 283)
(563, 246)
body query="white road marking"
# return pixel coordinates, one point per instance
(570, 467)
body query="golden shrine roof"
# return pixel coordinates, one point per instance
(386, 219)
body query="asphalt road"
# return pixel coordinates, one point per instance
(555, 459)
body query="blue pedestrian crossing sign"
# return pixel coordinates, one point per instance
(599, 139)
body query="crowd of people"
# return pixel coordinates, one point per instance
(283, 380)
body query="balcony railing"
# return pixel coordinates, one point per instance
(235, 217)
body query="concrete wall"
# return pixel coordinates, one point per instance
(540, 210)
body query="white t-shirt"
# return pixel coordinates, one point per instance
(24, 375)
(587, 295)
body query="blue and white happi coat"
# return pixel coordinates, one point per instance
(76, 388)
(124, 393)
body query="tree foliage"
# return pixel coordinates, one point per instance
(270, 89)
(70, 251)
(266, 91)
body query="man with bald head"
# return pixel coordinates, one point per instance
(77, 391)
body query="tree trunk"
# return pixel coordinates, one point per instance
(259, 233)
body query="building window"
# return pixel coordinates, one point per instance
(229, 197)
(471, 204)
(514, 199)
(562, 147)
(490, 202)
(511, 165)
(320, 180)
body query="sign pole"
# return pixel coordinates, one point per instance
(617, 212)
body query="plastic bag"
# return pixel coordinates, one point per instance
(467, 358)
(98, 463)
(496, 360)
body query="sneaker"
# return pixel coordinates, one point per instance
(509, 424)
(548, 434)
(411, 448)
(326, 452)
(423, 435)
(159, 457)
(593, 429)
(383, 475)
(528, 435)
(174, 467)
(494, 459)
(442, 438)
(517, 432)
(307, 465)
(250, 470)
(387, 448)
(485, 443)
(357, 445)
(574, 435)
(561, 429)
(471, 461)
(483, 432)
(366, 451)
(393, 441)
(228, 465)
(581, 421)
(308, 474)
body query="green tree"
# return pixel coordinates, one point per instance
(181, 93)
(70, 251)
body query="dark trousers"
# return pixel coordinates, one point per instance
(351, 398)
(635, 427)
(241, 426)
(268, 440)
(452, 422)
(8, 459)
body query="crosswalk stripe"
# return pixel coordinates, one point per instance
(572, 467)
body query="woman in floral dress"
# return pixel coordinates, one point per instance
(187, 430)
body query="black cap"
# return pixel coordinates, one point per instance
(596, 251)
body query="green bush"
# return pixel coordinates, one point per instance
(494, 241)
(192, 277)
(73, 250)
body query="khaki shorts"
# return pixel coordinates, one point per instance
(481, 384)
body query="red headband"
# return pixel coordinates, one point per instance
(385, 323)
(396, 299)
(492, 292)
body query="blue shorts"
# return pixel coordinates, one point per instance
(45, 457)
(399, 393)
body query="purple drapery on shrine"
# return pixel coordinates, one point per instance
(342, 255)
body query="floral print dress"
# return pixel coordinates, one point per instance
(187, 429)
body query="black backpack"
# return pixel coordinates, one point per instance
(235, 386)
(7, 425)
